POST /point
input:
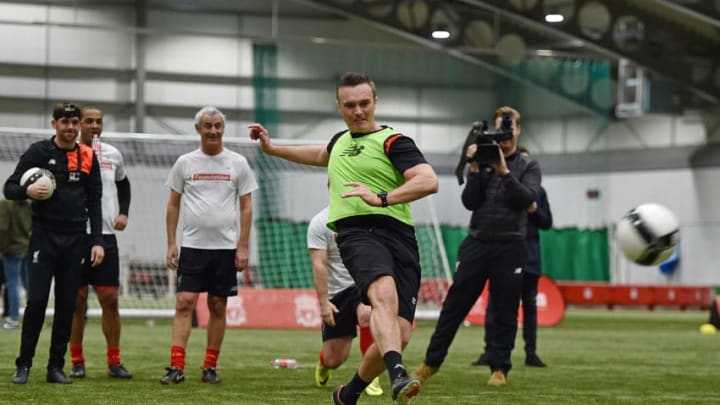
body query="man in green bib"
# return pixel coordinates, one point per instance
(374, 172)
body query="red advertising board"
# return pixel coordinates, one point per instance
(550, 305)
(267, 309)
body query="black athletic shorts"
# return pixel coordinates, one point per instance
(108, 272)
(211, 270)
(346, 301)
(369, 251)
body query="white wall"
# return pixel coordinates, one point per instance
(87, 53)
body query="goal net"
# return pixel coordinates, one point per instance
(289, 195)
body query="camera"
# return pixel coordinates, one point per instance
(486, 139)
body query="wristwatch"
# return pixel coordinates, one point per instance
(383, 198)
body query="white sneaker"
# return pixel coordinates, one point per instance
(10, 324)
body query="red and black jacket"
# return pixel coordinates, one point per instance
(78, 190)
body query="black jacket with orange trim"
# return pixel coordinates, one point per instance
(78, 189)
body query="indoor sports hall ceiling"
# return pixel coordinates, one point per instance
(676, 41)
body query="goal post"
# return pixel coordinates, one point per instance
(289, 195)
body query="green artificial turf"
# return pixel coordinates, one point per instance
(595, 356)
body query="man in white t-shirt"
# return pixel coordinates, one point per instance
(340, 306)
(105, 278)
(213, 184)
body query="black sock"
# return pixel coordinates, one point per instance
(394, 365)
(352, 390)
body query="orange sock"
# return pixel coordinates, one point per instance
(76, 354)
(113, 355)
(321, 356)
(211, 357)
(177, 357)
(366, 339)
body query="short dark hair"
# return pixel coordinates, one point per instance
(352, 79)
(87, 108)
(62, 110)
(522, 149)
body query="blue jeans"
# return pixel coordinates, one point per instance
(15, 271)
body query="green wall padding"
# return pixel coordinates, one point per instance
(453, 237)
(568, 254)
(284, 261)
(572, 254)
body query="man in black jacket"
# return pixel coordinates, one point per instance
(539, 217)
(58, 243)
(498, 193)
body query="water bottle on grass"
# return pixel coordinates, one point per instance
(283, 363)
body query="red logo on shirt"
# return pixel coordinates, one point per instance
(211, 177)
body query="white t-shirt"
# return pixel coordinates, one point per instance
(320, 237)
(112, 170)
(210, 187)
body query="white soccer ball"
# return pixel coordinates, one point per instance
(38, 175)
(648, 234)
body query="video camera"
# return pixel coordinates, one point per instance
(486, 139)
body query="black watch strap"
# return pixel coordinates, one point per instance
(383, 198)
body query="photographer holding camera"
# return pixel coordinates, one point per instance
(500, 189)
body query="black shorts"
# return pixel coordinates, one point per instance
(370, 251)
(211, 270)
(346, 301)
(108, 272)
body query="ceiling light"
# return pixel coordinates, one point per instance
(441, 34)
(554, 18)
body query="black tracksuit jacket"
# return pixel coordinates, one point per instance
(78, 192)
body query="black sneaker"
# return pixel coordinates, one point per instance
(77, 371)
(404, 388)
(532, 360)
(117, 371)
(209, 375)
(483, 360)
(336, 396)
(57, 376)
(21, 375)
(174, 376)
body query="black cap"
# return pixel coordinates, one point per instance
(62, 110)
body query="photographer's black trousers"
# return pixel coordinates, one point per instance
(478, 261)
(529, 306)
(51, 256)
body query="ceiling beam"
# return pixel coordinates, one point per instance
(662, 47)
